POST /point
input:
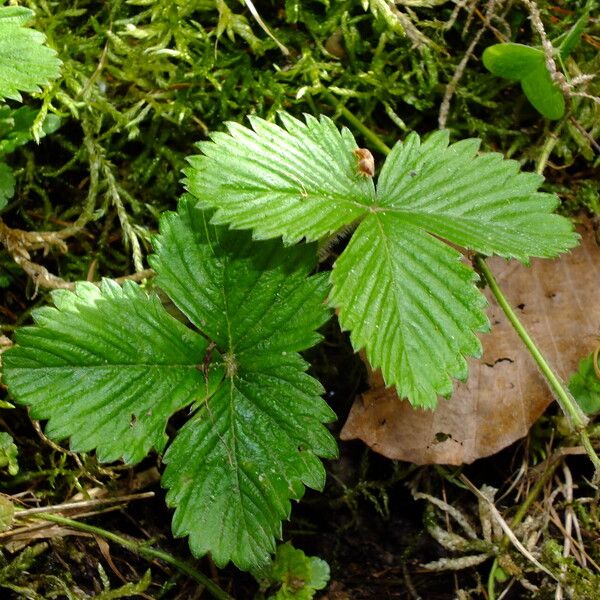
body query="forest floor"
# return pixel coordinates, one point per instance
(141, 83)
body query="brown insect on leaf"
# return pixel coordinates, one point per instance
(366, 162)
(557, 301)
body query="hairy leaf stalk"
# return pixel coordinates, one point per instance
(574, 414)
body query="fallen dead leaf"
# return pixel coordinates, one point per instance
(557, 301)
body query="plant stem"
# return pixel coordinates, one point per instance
(548, 147)
(567, 403)
(142, 550)
(491, 587)
(377, 142)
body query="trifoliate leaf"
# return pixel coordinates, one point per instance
(25, 62)
(585, 386)
(253, 445)
(401, 292)
(7, 184)
(300, 181)
(108, 367)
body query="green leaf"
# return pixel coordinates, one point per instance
(527, 65)
(573, 36)
(301, 181)
(16, 124)
(585, 386)
(253, 446)
(401, 292)
(8, 453)
(108, 367)
(409, 301)
(299, 576)
(478, 201)
(25, 62)
(7, 184)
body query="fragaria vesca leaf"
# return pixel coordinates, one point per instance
(253, 446)
(26, 63)
(107, 367)
(411, 303)
(296, 182)
(478, 201)
(401, 292)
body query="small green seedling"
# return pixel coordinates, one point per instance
(527, 65)
(585, 384)
(294, 575)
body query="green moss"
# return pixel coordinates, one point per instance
(579, 583)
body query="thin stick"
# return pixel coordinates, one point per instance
(264, 27)
(82, 504)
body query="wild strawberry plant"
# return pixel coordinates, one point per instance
(108, 367)
(402, 292)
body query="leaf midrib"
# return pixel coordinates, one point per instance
(319, 194)
(384, 239)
